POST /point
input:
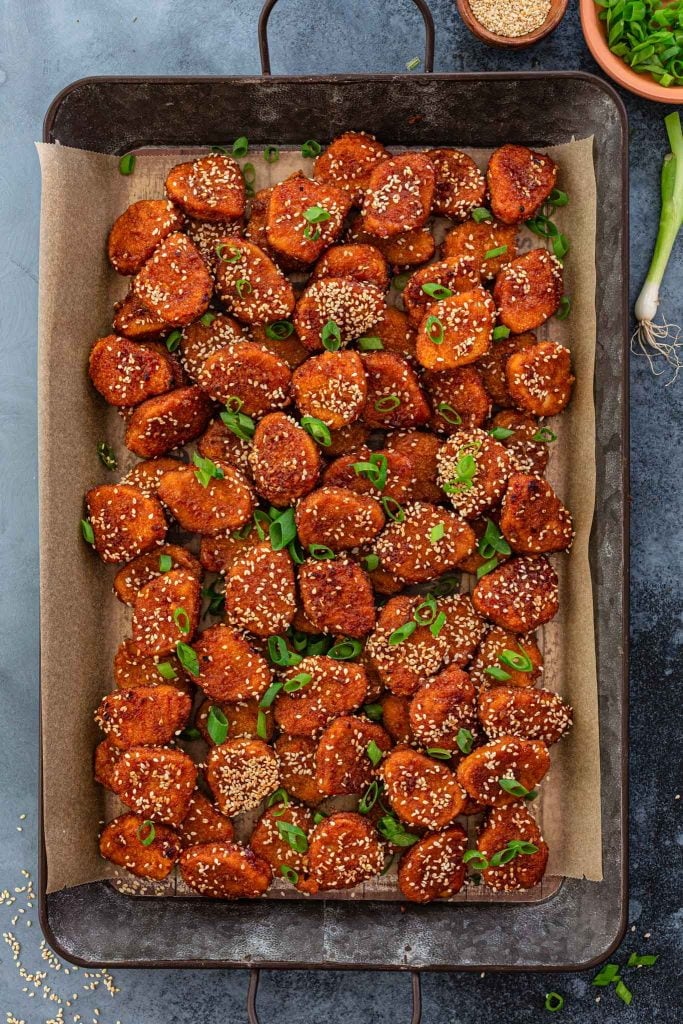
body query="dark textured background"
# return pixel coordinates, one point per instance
(44, 46)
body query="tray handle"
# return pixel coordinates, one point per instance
(416, 1015)
(420, 4)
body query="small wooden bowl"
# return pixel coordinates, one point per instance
(555, 16)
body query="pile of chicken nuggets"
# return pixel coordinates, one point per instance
(294, 574)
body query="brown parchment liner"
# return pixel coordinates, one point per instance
(82, 622)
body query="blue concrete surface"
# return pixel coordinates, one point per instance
(44, 45)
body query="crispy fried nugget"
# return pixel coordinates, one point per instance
(304, 217)
(220, 444)
(332, 387)
(166, 612)
(520, 595)
(395, 333)
(528, 290)
(463, 628)
(269, 839)
(456, 331)
(519, 180)
(355, 261)
(141, 570)
(226, 503)
(203, 823)
(104, 765)
(396, 718)
(526, 454)
(477, 241)
(168, 421)
(424, 793)
(348, 162)
(155, 782)
(245, 372)
(200, 340)
(353, 306)
(408, 249)
(425, 543)
(451, 275)
(442, 707)
(460, 185)
(394, 396)
(121, 843)
(343, 765)
(147, 474)
(284, 459)
(225, 871)
(532, 517)
(338, 519)
(297, 767)
(137, 232)
(242, 719)
(289, 349)
(218, 553)
(343, 850)
(132, 669)
(256, 232)
(133, 320)
(505, 825)
(459, 398)
(144, 716)
(240, 773)
(207, 236)
(336, 688)
(524, 712)
(399, 482)
(209, 188)
(473, 470)
(229, 668)
(508, 758)
(403, 665)
(250, 285)
(540, 379)
(399, 195)
(420, 449)
(174, 283)
(125, 522)
(126, 373)
(492, 365)
(259, 591)
(497, 642)
(433, 868)
(337, 596)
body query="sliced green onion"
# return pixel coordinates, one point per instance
(270, 695)
(492, 542)
(393, 509)
(413, 63)
(173, 340)
(517, 660)
(558, 198)
(606, 976)
(166, 670)
(240, 147)
(401, 280)
(444, 586)
(565, 308)
(127, 164)
(182, 620)
(345, 650)
(283, 530)
(298, 682)
(438, 624)
(292, 834)
(369, 798)
(331, 336)
(426, 612)
(375, 470)
(449, 414)
(501, 332)
(501, 433)
(149, 838)
(165, 563)
(545, 435)
(311, 233)
(316, 215)
(321, 552)
(436, 291)
(219, 150)
(206, 470)
(401, 634)
(187, 658)
(560, 246)
(480, 213)
(87, 531)
(465, 740)
(280, 654)
(318, 430)
(370, 562)
(318, 817)
(487, 567)
(497, 673)
(387, 403)
(623, 992)
(261, 725)
(271, 154)
(243, 287)
(296, 552)
(217, 725)
(434, 330)
(216, 599)
(475, 859)
(374, 712)
(311, 148)
(437, 533)
(491, 254)
(553, 1001)
(502, 857)
(249, 174)
(279, 330)
(280, 796)
(370, 344)
(235, 253)
(239, 424)
(648, 960)
(106, 455)
(439, 753)
(516, 788)
(289, 874)
(207, 319)
(391, 829)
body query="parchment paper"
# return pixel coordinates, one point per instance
(82, 622)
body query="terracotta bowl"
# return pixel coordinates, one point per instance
(640, 84)
(555, 16)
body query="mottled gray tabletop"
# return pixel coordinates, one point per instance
(44, 45)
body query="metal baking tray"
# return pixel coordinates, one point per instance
(582, 921)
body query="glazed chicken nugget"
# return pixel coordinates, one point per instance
(456, 331)
(351, 307)
(305, 217)
(209, 188)
(225, 871)
(442, 707)
(218, 553)
(270, 838)
(256, 232)
(141, 570)
(402, 655)
(513, 824)
(407, 249)
(168, 421)
(421, 791)
(126, 373)
(331, 387)
(220, 444)
(124, 522)
(519, 180)
(396, 718)
(433, 868)
(133, 320)
(337, 596)
(336, 688)
(200, 340)
(528, 290)
(420, 449)
(343, 850)
(166, 612)
(250, 285)
(436, 282)
(122, 843)
(459, 398)
(343, 764)
(540, 379)
(207, 236)
(144, 716)
(240, 773)
(356, 261)
(507, 759)
(424, 543)
(528, 452)
(473, 471)
(394, 396)
(463, 629)
(284, 459)
(348, 162)
(132, 669)
(287, 348)
(242, 720)
(156, 782)
(399, 195)
(147, 474)
(521, 666)
(226, 502)
(488, 244)
(524, 712)
(259, 591)
(395, 333)
(460, 185)
(174, 283)
(520, 595)
(350, 471)
(532, 517)
(492, 365)
(297, 768)
(229, 668)
(244, 372)
(203, 823)
(338, 519)
(137, 232)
